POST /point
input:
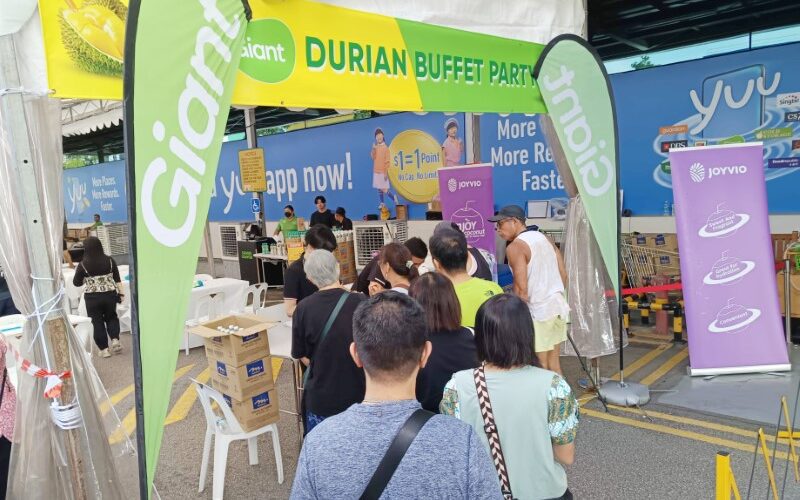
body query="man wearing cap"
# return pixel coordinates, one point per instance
(380, 167)
(539, 278)
(342, 223)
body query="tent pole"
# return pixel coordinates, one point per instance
(252, 142)
(55, 344)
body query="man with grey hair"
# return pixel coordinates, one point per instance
(322, 330)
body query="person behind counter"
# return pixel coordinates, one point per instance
(296, 285)
(342, 223)
(287, 223)
(322, 215)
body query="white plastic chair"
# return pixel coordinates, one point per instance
(225, 429)
(207, 308)
(203, 277)
(255, 298)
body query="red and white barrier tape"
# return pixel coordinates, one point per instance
(55, 381)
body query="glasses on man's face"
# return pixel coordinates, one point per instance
(499, 224)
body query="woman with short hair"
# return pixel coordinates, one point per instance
(453, 344)
(535, 412)
(322, 331)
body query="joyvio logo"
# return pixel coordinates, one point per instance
(261, 401)
(255, 368)
(698, 172)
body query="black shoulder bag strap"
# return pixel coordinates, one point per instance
(326, 329)
(397, 450)
(3, 387)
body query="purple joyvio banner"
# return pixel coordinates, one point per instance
(468, 200)
(727, 264)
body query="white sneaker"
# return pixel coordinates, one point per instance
(105, 354)
(116, 347)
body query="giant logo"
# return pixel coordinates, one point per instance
(268, 54)
(198, 106)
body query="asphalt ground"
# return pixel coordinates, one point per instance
(657, 452)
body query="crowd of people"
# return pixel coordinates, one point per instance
(433, 382)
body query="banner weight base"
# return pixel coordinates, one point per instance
(625, 393)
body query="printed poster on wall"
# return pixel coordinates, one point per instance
(96, 189)
(728, 99)
(356, 165)
(727, 263)
(468, 200)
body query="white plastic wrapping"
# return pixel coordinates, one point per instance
(594, 312)
(44, 457)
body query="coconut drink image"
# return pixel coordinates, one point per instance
(470, 221)
(93, 33)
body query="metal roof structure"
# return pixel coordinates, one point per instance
(621, 28)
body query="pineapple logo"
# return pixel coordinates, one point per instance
(698, 172)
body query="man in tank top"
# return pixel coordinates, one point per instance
(539, 277)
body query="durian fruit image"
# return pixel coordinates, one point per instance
(94, 34)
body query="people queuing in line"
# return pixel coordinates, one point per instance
(371, 275)
(396, 265)
(296, 285)
(380, 364)
(533, 410)
(8, 411)
(449, 252)
(341, 222)
(322, 215)
(288, 222)
(322, 330)
(340, 457)
(99, 273)
(539, 279)
(453, 344)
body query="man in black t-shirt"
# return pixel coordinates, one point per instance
(341, 221)
(296, 286)
(322, 215)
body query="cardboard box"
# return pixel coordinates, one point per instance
(256, 411)
(237, 349)
(241, 382)
(794, 279)
(667, 242)
(667, 265)
(639, 240)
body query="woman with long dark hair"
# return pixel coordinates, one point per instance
(534, 411)
(453, 344)
(99, 273)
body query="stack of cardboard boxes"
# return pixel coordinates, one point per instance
(241, 368)
(346, 255)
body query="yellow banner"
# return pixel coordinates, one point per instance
(299, 53)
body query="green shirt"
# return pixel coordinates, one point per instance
(285, 225)
(471, 295)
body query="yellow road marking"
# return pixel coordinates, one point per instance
(636, 340)
(663, 429)
(666, 367)
(186, 401)
(124, 393)
(129, 422)
(276, 367)
(642, 361)
(695, 422)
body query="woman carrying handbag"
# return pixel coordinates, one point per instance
(526, 417)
